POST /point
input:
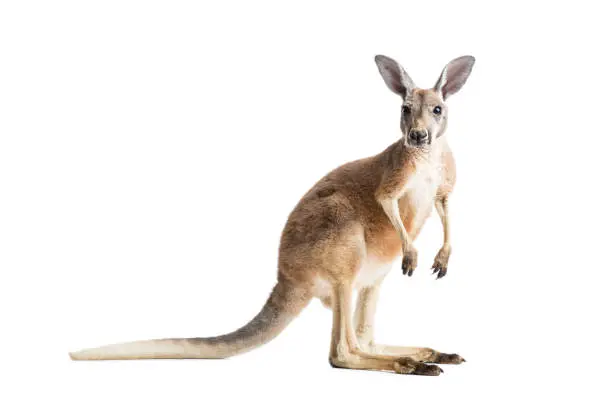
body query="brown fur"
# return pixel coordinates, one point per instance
(362, 213)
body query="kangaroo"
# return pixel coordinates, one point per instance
(344, 235)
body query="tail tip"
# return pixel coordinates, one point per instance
(74, 355)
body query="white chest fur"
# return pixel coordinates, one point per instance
(421, 188)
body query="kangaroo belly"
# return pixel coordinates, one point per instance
(371, 271)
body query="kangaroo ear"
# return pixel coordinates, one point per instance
(454, 75)
(394, 75)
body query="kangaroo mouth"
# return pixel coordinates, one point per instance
(417, 143)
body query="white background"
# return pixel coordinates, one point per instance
(151, 151)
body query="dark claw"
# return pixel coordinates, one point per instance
(428, 369)
(443, 358)
(405, 269)
(442, 273)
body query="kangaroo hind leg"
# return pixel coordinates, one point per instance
(364, 324)
(345, 351)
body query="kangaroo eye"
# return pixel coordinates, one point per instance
(406, 109)
(437, 110)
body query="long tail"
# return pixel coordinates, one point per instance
(283, 305)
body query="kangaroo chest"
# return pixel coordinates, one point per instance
(417, 201)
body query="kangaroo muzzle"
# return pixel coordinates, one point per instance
(419, 137)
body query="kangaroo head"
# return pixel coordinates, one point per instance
(424, 112)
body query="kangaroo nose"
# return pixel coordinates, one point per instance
(418, 135)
